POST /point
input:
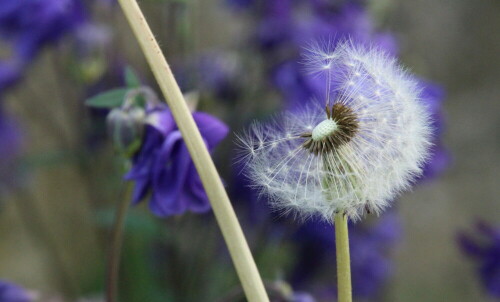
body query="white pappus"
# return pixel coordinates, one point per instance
(352, 153)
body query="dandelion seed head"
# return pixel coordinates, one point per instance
(323, 130)
(351, 154)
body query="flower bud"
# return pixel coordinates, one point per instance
(126, 127)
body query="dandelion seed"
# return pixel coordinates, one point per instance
(367, 142)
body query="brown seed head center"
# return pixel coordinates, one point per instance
(346, 127)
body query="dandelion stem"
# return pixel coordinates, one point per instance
(343, 258)
(224, 213)
(113, 268)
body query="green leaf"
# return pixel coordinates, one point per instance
(131, 78)
(109, 99)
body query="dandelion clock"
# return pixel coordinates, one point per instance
(347, 155)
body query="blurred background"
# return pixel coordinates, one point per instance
(61, 177)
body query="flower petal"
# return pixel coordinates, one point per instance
(140, 189)
(212, 129)
(161, 120)
(195, 193)
(169, 176)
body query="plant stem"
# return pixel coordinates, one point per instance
(277, 291)
(343, 258)
(113, 268)
(224, 213)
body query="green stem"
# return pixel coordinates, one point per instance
(277, 292)
(343, 258)
(116, 245)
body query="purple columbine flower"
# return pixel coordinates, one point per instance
(31, 24)
(163, 167)
(10, 292)
(484, 249)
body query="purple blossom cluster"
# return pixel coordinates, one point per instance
(10, 292)
(29, 25)
(483, 248)
(32, 24)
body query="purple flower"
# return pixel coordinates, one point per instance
(370, 249)
(286, 26)
(163, 166)
(295, 86)
(433, 95)
(10, 74)
(31, 24)
(345, 21)
(484, 249)
(302, 297)
(275, 27)
(349, 20)
(10, 292)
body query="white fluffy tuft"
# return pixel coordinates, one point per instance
(381, 160)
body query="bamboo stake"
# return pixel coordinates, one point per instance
(224, 213)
